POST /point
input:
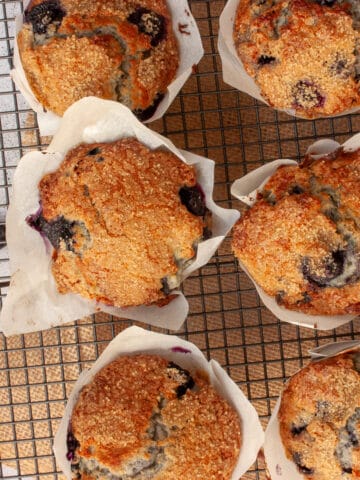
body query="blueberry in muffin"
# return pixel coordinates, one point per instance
(118, 50)
(144, 417)
(319, 418)
(300, 241)
(121, 229)
(303, 54)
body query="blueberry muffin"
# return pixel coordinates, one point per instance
(303, 54)
(122, 50)
(123, 221)
(146, 418)
(319, 418)
(300, 241)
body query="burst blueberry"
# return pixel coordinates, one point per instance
(266, 60)
(187, 380)
(300, 464)
(307, 95)
(150, 23)
(333, 266)
(193, 199)
(147, 113)
(45, 14)
(165, 286)
(297, 429)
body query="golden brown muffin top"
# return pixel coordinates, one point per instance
(300, 241)
(320, 418)
(117, 50)
(144, 407)
(303, 54)
(124, 221)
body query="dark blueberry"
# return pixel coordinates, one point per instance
(150, 23)
(353, 428)
(279, 297)
(306, 95)
(296, 189)
(306, 298)
(207, 233)
(187, 381)
(72, 444)
(269, 197)
(44, 14)
(332, 267)
(297, 429)
(326, 3)
(165, 286)
(147, 113)
(340, 68)
(193, 199)
(94, 151)
(265, 60)
(302, 468)
(347, 470)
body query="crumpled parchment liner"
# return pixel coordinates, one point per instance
(278, 465)
(246, 188)
(190, 53)
(33, 302)
(234, 73)
(136, 340)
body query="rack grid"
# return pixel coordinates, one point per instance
(227, 320)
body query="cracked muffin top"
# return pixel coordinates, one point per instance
(123, 220)
(147, 418)
(320, 418)
(300, 241)
(122, 50)
(303, 54)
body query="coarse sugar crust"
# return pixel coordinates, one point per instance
(132, 410)
(319, 418)
(300, 241)
(115, 217)
(303, 54)
(122, 50)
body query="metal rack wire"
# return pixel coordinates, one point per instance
(227, 320)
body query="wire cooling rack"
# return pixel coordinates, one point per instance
(227, 320)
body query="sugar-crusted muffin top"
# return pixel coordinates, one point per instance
(124, 221)
(300, 241)
(303, 54)
(118, 50)
(147, 417)
(319, 418)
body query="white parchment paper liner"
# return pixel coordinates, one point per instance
(136, 340)
(246, 188)
(190, 53)
(234, 73)
(33, 302)
(278, 465)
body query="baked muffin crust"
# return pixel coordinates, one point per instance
(143, 416)
(303, 54)
(300, 240)
(121, 231)
(122, 50)
(319, 418)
